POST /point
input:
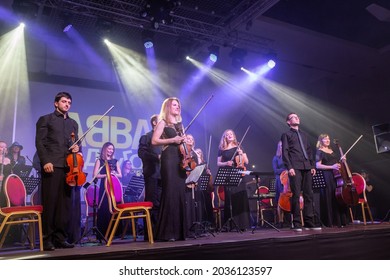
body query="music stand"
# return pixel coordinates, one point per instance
(229, 177)
(259, 205)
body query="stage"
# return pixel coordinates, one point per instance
(353, 242)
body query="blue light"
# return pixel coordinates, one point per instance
(148, 44)
(68, 27)
(213, 57)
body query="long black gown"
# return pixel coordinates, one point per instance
(172, 223)
(332, 213)
(239, 197)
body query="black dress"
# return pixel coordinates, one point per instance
(172, 223)
(239, 197)
(332, 213)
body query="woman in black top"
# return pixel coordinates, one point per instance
(332, 213)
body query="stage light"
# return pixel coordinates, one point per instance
(147, 38)
(66, 22)
(271, 60)
(159, 12)
(213, 53)
(238, 57)
(184, 48)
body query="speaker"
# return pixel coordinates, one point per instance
(382, 137)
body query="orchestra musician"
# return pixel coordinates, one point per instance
(106, 154)
(172, 224)
(15, 156)
(150, 156)
(53, 139)
(332, 212)
(297, 157)
(228, 147)
(206, 195)
(278, 167)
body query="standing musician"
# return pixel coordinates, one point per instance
(150, 156)
(53, 140)
(297, 157)
(278, 167)
(106, 154)
(172, 224)
(206, 195)
(332, 212)
(228, 147)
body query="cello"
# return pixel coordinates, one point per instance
(75, 162)
(284, 198)
(346, 193)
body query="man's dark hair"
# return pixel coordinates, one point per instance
(153, 118)
(62, 94)
(288, 116)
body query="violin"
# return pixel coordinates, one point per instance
(188, 162)
(75, 162)
(346, 193)
(239, 161)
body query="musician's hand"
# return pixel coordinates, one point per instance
(291, 172)
(336, 166)
(229, 163)
(313, 171)
(239, 151)
(1, 177)
(75, 149)
(178, 139)
(48, 167)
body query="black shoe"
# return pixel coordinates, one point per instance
(64, 245)
(48, 246)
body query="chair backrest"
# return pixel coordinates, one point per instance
(113, 189)
(221, 196)
(88, 197)
(264, 201)
(359, 182)
(34, 197)
(15, 191)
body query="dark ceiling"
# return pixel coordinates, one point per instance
(345, 19)
(223, 22)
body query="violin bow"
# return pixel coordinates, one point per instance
(208, 152)
(239, 143)
(197, 114)
(89, 129)
(343, 157)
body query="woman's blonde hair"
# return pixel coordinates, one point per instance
(223, 143)
(166, 109)
(319, 141)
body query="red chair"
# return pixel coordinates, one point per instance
(17, 212)
(217, 209)
(361, 187)
(264, 203)
(124, 211)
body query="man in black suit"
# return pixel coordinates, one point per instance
(53, 141)
(150, 156)
(298, 159)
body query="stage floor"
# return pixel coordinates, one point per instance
(351, 242)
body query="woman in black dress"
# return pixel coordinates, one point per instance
(172, 224)
(239, 197)
(107, 153)
(332, 213)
